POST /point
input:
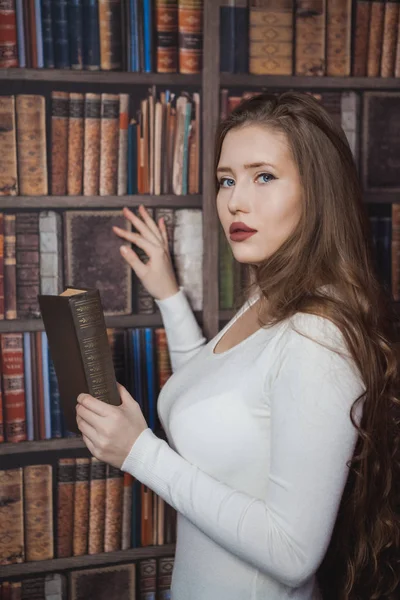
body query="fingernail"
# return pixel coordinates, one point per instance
(123, 249)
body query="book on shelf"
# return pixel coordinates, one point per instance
(77, 337)
(164, 36)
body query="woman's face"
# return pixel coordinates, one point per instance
(259, 185)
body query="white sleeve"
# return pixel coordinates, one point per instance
(184, 336)
(285, 534)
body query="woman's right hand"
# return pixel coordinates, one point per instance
(157, 275)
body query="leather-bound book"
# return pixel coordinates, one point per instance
(31, 145)
(97, 505)
(38, 502)
(11, 517)
(310, 37)
(166, 36)
(164, 576)
(65, 506)
(397, 59)
(390, 33)
(375, 38)
(28, 264)
(147, 578)
(10, 267)
(75, 144)
(93, 258)
(1, 266)
(126, 512)
(361, 29)
(190, 27)
(12, 368)
(110, 34)
(92, 130)
(144, 302)
(33, 588)
(103, 583)
(8, 35)
(338, 37)
(123, 144)
(59, 142)
(77, 336)
(8, 147)
(113, 510)
(81, 506)
(271, 37)
(109, 142)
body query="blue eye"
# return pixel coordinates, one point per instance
(265, 175)
(226, 179)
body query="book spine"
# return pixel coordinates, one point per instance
(47, 33)
(166, 25)
(13, 386)
(28, 386)
(20, 33)
(126, 512)
(75, 27)
(75, 144)
(123, 144)
(59, 142)
(10, 267)
(338, 38)
(8, 35)
(375, 38)
(113, 509)
(110, 34)
(109, 144)
(361, 35)
(164, 575)
(50, 253)
(46, 384)
(241, 36)
(60, 33)
(227, 39)
(31, 145)
(91, 39)
(55, 404)
(28, 262)
(390, 33)
(32, 37)
(65, 506)
(81, 507)
(148, 576)
(133, 43)
(397, 59)
(39, 34)
(2, 312)
(97, 506)
(92, 134)
(40, 385)
(27, 33)
(38, 496)
(310, 37)
(271, 38)
(12, 547)
(8, 145)
(190, 27)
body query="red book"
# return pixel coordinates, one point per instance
(12, 369)
(8, 35)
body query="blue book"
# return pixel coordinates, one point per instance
(227, 37)
(241, 37)
(47, 34)
(55, 404)
(59, 17)
(46, 386)
(91, 39)
(20, 33)
(151, 387)
(147, 37)
(28, 386)
(133, 62)
(39, 34)
(75, 30)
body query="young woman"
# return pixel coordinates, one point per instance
(283, 430)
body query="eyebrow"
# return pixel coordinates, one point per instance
(247, 166)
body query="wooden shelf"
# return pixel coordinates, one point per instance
(308, 83)
(55, 444)
(381, 197)
(103, 77)
(122, 321)
(71, 202)
(87, 560)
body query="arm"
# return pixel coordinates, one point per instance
(285, 534)
(184, 335)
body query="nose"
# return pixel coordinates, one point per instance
(238, 198)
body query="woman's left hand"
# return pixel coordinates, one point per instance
(110, 431)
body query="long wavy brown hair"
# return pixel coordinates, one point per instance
(332, 244)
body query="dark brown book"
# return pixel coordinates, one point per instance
(361, 36)
(375, 39)
(103, 583)
(78, 342)
(28, 264)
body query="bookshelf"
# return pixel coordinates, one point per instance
(209, 83)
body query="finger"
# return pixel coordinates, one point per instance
(95, 421)
(140, 241)
(133, 261)
(150, 221)
(164, 233)
(90, 445)
(86, 429)
(147, 228)
(124, 394)
(94, 405)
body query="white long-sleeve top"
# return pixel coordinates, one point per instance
(255, 464)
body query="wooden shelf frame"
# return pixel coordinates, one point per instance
(13, 203)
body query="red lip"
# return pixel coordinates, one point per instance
(239, 226)
(240, 236)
